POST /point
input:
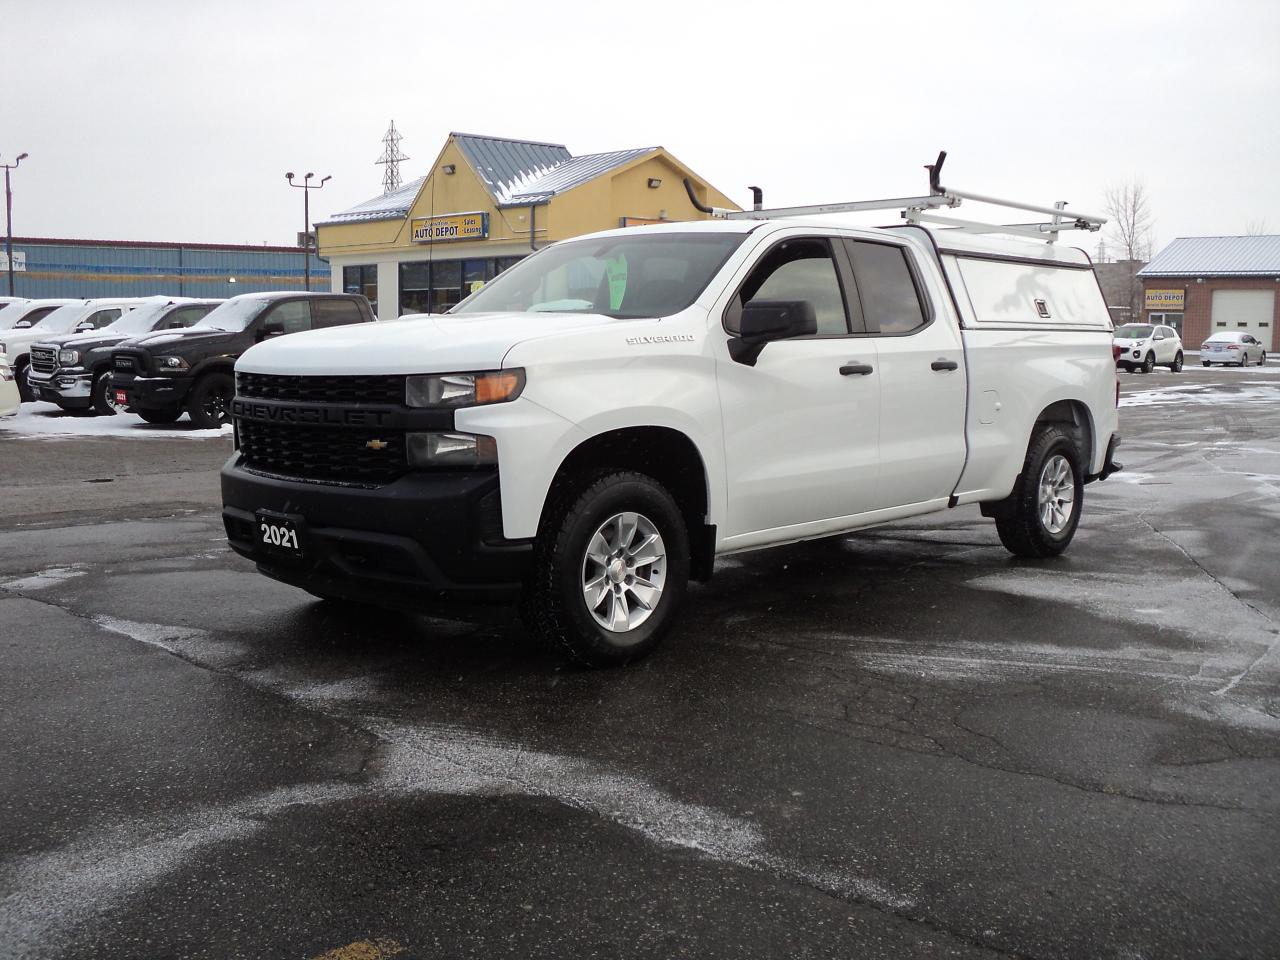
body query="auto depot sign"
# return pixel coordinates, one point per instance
(453, 226)
(1165, 299)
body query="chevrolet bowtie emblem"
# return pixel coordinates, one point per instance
(377, 444)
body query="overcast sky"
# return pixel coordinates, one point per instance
(177, 121)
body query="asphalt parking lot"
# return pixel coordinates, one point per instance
(902, 743)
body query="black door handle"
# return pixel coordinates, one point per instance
(944, 365)
(861, 369)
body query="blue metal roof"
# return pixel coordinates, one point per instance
(390, 206)
(507, 165)
(1217, 257)
(572, 173)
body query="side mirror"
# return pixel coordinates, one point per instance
(84, 327)
(765, 320)
(270, 330)
(22, 324)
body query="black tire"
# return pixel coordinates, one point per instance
(1022, 530)
(552, 604)
(1204, 363)
(1176, 366)
(1262, 360)
(1148, 362)
(159, 416)
(24, 389)
(210, 402)
(102, 395)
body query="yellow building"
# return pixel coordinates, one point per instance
(486, 203)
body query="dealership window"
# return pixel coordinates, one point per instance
(434, 287)
(364, 280)
(1168, 319)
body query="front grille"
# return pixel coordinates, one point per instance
(322, 389)
(126, 362)
(44, 359)
(323, 453)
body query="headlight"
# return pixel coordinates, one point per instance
(463, 389)
(171, 363)
(68, 357)
(450, 450)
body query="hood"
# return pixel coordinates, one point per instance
(201, 337)
(84, 341)
(426, 344)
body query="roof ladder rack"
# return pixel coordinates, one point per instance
(920, 210)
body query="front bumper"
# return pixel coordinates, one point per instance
(152, 393)
(60, 387)
(424, 542)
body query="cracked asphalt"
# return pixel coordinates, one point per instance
(897, 744)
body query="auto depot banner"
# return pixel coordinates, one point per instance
(1165, 299)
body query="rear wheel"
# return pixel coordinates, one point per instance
(1204, 363)
(1047, 500)
(1149, 362)
(103, 395)
(210, 403)
(159, 416)
(610, 567)
(1176, 366)
(1262, 360)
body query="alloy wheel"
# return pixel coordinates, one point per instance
(623, 571)
(1057, 494)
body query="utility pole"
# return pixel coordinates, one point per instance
(8, 216)
(306, 187)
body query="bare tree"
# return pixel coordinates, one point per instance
(1256, 228)
(1131, 230)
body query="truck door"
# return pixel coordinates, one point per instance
(801, 425)
(922, 375)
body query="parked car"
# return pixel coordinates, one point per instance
(162, 375)
(1145, 346)
(9, 397)
(74, 371)
(75, 316)
(593, 427)
(27, 312)
(5, 301)
(1232, 348)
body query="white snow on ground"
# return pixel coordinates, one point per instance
(1204, 394)
(45, 578)
(47, 421)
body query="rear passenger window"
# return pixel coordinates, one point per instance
(101, 318)
(293, 316)
(797, 270)
(334, 313)
(185, 317)
(890, 301)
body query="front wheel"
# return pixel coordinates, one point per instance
(1176, 366)
(1262, 360)
(103, 395)
(1149, 362)
(610, 568)
(1204, 363)
(210, 404)
(1047, 499)
(25, 393)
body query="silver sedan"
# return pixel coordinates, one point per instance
(1233, 348)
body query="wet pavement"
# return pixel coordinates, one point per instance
(902, 743)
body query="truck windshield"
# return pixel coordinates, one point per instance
(232, 316)
(653, 275)
(1134, 331)
(141, 319)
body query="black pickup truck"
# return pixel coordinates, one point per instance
(162, 375)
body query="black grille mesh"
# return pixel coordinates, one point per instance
(322, 389)
(323, 453)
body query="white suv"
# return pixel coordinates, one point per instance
(1145, 346)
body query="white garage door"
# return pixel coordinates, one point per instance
(1245, 311)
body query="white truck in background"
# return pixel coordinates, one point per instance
(590, 430)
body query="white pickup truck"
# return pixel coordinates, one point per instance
(594, 427)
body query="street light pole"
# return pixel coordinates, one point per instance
(306, 187)
(8, 217)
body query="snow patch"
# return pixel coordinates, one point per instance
(186, 642)
(1202, 394)
(47, 421)
(45, 578)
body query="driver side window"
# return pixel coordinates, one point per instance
(101, 318)
(293, 316)
(800, 269)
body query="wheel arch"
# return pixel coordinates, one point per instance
(669, 456)
(1076, 418)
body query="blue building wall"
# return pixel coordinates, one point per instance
(83, 268)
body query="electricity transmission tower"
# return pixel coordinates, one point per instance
(391, 157)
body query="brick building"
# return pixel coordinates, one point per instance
(1203, 285)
